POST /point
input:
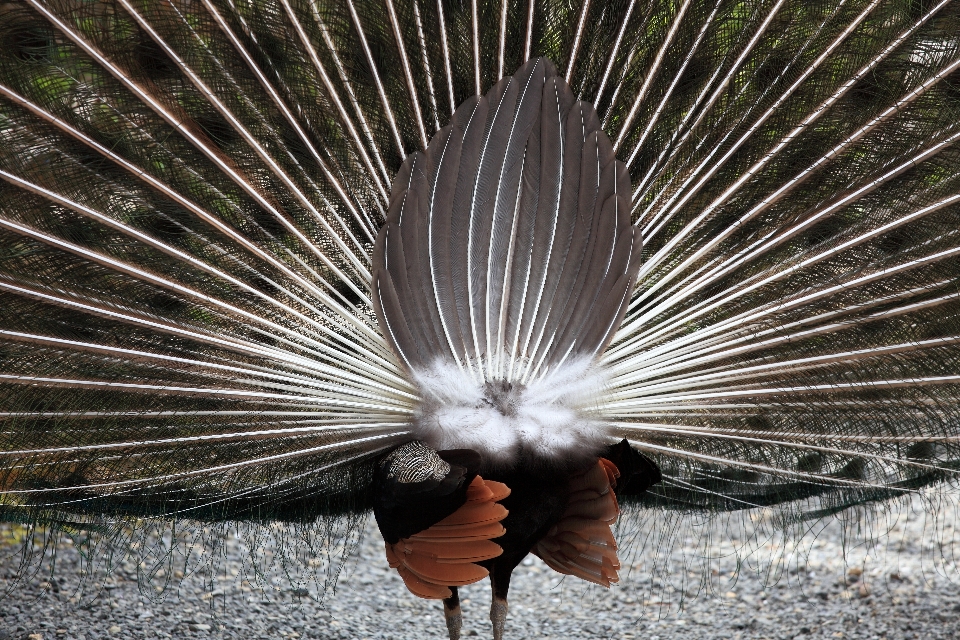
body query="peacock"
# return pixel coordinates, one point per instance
(493, 270)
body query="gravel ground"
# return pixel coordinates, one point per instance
(826, 586)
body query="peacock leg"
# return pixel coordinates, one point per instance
(453, 614)
(498, 608)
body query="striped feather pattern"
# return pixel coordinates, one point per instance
(508, 247)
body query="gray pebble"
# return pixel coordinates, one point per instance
(826, 586)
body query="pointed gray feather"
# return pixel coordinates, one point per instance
(523, 246)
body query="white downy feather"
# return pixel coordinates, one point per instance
(551, 417)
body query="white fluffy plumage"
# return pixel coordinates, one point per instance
(549, 417)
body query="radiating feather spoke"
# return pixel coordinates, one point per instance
(132, 270)
(572, 58)
(411, 88)
(299, 382)
(155, 480)
(625, 127)
(153, 182)
(613, 52)
(357, 263)
(906, 100)
(293, 339)
(806, 477)
(214, 156)
(304, 139)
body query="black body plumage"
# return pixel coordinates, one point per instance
(409, 500)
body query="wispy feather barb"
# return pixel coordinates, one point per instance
(554, 416)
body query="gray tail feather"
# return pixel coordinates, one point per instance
(508, 246)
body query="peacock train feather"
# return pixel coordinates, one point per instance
(193, 294)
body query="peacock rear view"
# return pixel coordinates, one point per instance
(491, 270)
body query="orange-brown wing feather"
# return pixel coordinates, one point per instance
(582, 543)
(445, 554)
(467, 533)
